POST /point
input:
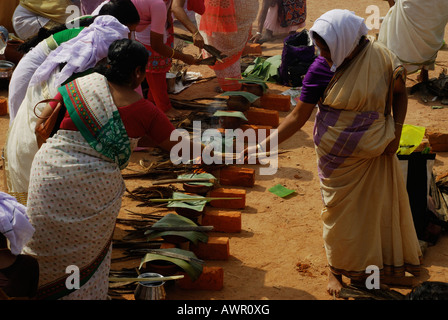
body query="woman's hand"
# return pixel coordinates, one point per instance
(189, 59)
(198, 40)
(393, 146)
(256, 38)
(249, 154)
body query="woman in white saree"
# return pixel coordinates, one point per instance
(414, 31)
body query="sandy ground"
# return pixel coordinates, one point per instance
(279, 253)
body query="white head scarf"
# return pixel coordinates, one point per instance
(341, 30)
(82, 52)
(14, 223)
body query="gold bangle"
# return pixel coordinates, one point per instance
(400, 124)
(173, 53)
(195, 34)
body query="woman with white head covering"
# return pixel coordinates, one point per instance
(19, 273)
(366, 216)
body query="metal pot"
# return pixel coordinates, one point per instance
(171, 82)
(150, 290)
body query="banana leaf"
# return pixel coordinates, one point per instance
(199, 176)
(184, 259)
(236, 114)
(249, 96)
(264, 69)
(197, 205)
(175, 220)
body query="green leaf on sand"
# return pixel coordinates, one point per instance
(281, 191)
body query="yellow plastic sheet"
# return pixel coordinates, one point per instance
(411, 137)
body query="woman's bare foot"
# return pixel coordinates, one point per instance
(335, 284)
(267, 36)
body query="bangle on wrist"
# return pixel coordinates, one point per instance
(172, 55)
(195, 34)
(258, 33)
(400, 124)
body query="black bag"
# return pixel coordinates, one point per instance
(417, 170)
(297, 56)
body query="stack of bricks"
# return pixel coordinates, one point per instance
(225, 215)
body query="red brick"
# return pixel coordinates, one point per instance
(222, 220)
(211, 278)
(252, 48)
(277, 102)
(236, 176)
(438, 141)
(216, 248)
(262, 116)
(230, 203)
(257, 129)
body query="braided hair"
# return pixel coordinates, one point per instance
(123, 58)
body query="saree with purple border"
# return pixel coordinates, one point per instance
(366, 217)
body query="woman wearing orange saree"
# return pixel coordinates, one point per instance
(226, 25)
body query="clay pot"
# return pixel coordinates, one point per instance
(189, 213)
(230, 122)
(12, 53)
(253, 88)
(177, 240)
(197, 188)
(3, 106)
(238, 103)
(162, 267)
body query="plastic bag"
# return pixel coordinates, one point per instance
(411, 137)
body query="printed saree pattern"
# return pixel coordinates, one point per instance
(91, 108)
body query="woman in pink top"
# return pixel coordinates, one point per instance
(155, 32)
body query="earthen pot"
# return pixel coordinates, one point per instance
(165, 268)
(177, 240)
(253, 88)
(197, 188)
(12, 53)
(189, 213)
(238, 103)
(230, 122)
